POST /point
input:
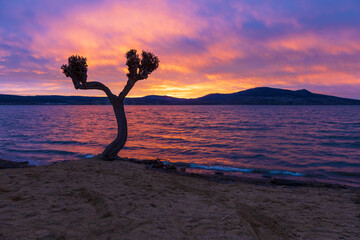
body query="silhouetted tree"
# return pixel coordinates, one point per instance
(139, 69)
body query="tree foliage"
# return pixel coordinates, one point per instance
(140, 69)
(76, 69)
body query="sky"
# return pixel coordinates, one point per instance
(204, 46)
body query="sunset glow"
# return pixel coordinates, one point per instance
(203, 46)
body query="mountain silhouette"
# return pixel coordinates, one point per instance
(253, 96)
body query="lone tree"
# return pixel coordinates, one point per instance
(139, 69)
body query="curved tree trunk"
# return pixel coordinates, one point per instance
(117, 102)
(113, 149)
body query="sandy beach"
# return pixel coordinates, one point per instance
(93, 199)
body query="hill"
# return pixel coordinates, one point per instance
(273, 96)
(254, 96)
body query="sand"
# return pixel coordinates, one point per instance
(93, 199)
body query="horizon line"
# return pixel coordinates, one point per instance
(173, 96)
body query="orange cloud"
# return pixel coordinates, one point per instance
(310, 41)
(203, 48)
(109, 30)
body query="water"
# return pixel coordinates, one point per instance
(314, 142)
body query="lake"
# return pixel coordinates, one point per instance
(320, 143)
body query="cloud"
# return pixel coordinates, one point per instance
(203, 46)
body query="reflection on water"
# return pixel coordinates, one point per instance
(318, 141)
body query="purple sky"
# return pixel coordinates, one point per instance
(204, 46)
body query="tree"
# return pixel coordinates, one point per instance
(139, 69)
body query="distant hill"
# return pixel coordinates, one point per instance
(273, 96)
(254, 96)
(52, 100)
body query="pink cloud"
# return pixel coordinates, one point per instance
(203, 46)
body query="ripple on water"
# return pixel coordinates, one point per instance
(320, 142)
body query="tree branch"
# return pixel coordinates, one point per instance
(129, 85)
(98, 86)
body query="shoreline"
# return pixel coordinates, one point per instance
(214, 175)
(94, 199)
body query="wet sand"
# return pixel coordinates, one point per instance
(93, 199)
